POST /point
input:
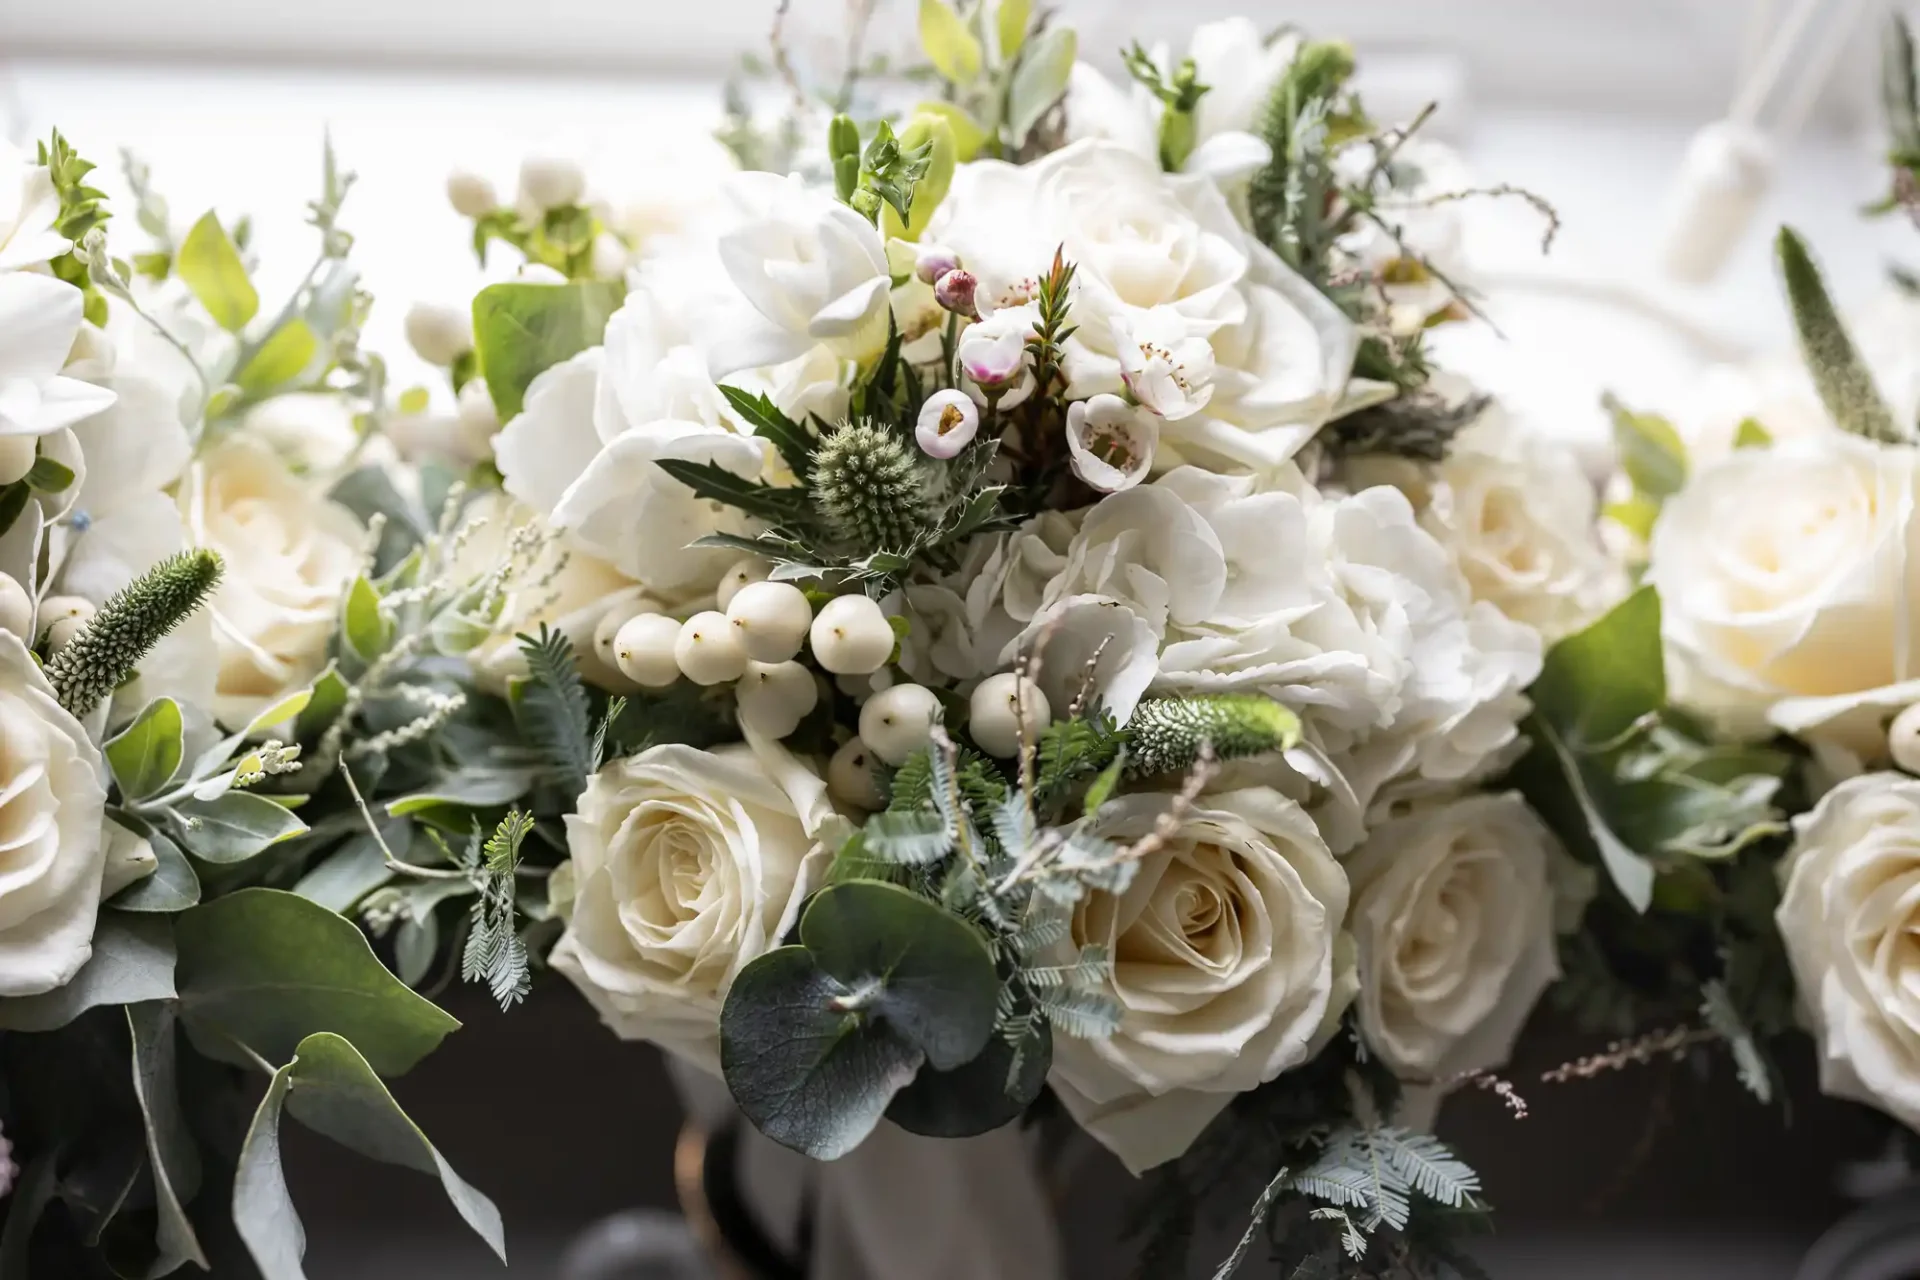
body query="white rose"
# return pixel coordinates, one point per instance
(290, 554)
(687, 865)
(1229, 963)
(29, 208)
(1453, 915)
(1848, 916)
(810, 269)
(39, 319)
(1784, 576)
(1519, 516)
(53, 796)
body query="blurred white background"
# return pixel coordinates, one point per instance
(1590, 103)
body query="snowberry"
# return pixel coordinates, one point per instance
(551, 182)
(54, 608)
(607, 630)
(1005, 710)
(771, 619)
(851, 637)
(64, 632)
(708, 651)
(751, 569)
(471, 195)
(476, 421)
(775, 697)
(1903, 739)
(643, 649)
(16, 608)
(17, 455)
(850, 777)
(439, 335)
(898, 721)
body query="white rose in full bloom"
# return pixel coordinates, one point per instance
(53, 796)
(1520, 518)
(687, 866)
(29, 208)
(810, 269)
(1784, 577)
(1228, 961)
(1341, 607)
(1453, 915)
(290, 554)
(582, 451)
(1159, 254)
(1848, 916)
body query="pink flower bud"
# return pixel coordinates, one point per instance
(931, 261)
(954, 291)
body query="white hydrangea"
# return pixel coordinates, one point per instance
(1341, 607)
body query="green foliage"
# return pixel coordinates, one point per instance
(873, 488)
(1167, 735)
(816, 1039)
(132, 960)
(1288, 200)
(522, 330)
(1900, 106)
(260, 970)
(952, 49)
(1179, 95)
(209, 264)
(83, 208)
(552, 707)
(171, 1156)
(145, 756)
(1047, 346)
(1654, 459)
(231, 827)
(890, 171)
(333, 1090)
(495, 953)
(133, 620)
(793, 441)
(1839, 374)
(1039, 80)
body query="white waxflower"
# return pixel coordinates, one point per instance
(1782, 575)
(1111, 442)
(290, 554)
(1167, 369)
(39, 319)
(1848, 915)
(29, 208)
(993, 353)
(1229, 962)
(53, 795)
(947, 424)
(1165, 250)
(1453, 915)
(810, 270)
(687, 866)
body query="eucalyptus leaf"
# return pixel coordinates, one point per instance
(263, 1211)
(172, 886)
(233, 827)
(264, 969)
(355, 869)
(414, 945)
(477, 787)
(1041, 79)
(132, 960)
(146, 754)
(978, 1096)
(1651, 451)
(170, 1151)
(328, 700)
(283, 357)
(337, 1093)
(522, 330)
(210, 265)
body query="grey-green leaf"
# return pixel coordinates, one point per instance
(335, 1092)
(1839, 374)
(266, 969)
(173, 885)
(809, 1074)
(170, 1151)
(146, 754)
(233, 827)
(355, 869)
(133, 960)
(1040, 80)
(263, 1211)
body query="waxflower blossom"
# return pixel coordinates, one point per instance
(948, 422)
(1168, 369)
(993, 353)
(1111, 442)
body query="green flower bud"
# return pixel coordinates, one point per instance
(872, 488)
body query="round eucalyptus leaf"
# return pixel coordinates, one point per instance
(977, 1097)
(919, 967)
(809, 1071)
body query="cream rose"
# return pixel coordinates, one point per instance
(1785, 576)
(53, 854)
(290, 553)
(1453, 915)
(1229, 962)
(687, 865)
(1849, 914)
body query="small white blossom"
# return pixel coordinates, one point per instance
(1111, 442)
(948, 423)
(1167, 368)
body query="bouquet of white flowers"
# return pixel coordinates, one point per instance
(999, 610)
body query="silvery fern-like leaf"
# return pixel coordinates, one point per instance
(1257, 1220)
(1351, 1238)
(1427, 1165)
(914, 838)
(1041, 930)
(553, 707)
(1336, 1184)
(1084, 1015)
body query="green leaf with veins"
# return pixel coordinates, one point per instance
(522, 330)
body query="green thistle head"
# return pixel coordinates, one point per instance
(1165, 734)
(872, 488)
(129, 624)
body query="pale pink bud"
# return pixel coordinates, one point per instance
(931, 261)
(954, 291)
